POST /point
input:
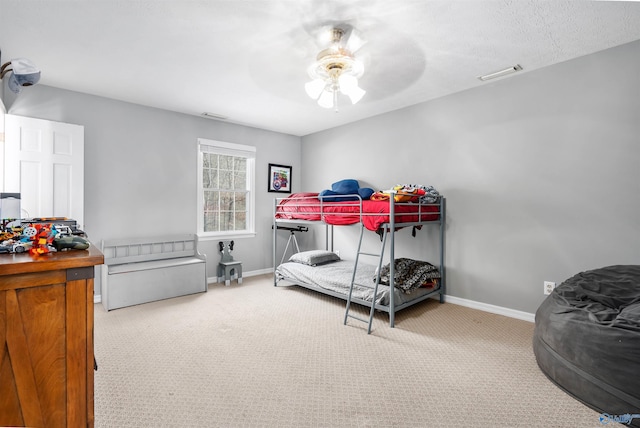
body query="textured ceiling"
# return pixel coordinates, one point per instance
(247, 60)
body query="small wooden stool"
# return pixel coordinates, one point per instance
(227, 264)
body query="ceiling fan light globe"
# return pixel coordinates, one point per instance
(314, 88)
(347, 83)
(356, 95)
(326, 99)
(349, 86)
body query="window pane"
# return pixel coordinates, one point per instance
(210, 160)
(226, 201)
(241, 201)
(239, 163)
(226, 162)
(211, 222)
(211, 201)
(226, 178)
(210, 179)
(240, 180)
(226, 220)
(241, 220)
(214, 179)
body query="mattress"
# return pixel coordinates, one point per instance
(587, 340)
(373, 214)
(336, 278)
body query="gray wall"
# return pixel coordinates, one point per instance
(540, 172)
(141, 168)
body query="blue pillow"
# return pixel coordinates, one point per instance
(346, 187)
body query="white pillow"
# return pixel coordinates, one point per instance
(314, 257)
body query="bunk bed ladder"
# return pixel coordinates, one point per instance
(380, 257)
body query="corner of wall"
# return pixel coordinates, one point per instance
(3, 109)
(7, 98)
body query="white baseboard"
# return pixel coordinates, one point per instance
(214, 280)
(499, 310)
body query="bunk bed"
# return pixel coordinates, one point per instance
(353, 281)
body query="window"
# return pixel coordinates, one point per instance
(226, 174)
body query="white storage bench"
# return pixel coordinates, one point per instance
(142, 270)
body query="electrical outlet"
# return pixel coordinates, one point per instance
(549, 286)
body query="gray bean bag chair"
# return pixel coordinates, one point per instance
(587, 340)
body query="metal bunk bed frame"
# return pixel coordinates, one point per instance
(388, 229)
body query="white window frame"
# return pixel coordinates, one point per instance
(232, 149)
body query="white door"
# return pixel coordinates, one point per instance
(44, 162)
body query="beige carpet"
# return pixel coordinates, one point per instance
(255, 355)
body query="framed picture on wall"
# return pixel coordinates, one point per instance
(279, 178)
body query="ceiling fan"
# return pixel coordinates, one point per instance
(336, 69)
(298, 60)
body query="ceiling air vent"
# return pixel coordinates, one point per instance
(214, 116)
(500, 73)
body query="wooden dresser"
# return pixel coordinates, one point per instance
(46, 338)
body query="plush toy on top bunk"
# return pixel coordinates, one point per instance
(408, 193)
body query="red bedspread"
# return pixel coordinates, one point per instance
(306, 206)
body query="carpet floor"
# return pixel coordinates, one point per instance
(255, 355)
